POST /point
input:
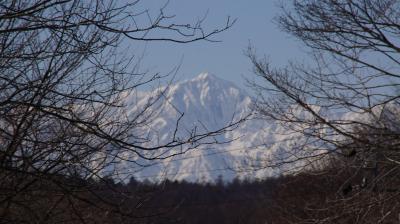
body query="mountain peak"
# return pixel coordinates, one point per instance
(206, 79)
(205, 84)
(205, 76)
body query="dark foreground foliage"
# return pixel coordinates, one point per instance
(332, 196)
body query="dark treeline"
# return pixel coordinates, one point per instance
(333, 195)
(302, 198)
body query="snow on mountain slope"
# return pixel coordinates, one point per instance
(208, 103)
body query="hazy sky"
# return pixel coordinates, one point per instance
(225, 59)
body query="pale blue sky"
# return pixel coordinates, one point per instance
(225, 59)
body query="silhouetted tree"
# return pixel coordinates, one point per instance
(346, 102)
(63, 113)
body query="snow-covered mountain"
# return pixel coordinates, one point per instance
(207, 103)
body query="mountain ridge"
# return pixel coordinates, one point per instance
(210, 103)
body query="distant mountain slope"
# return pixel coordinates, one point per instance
(210, 103)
